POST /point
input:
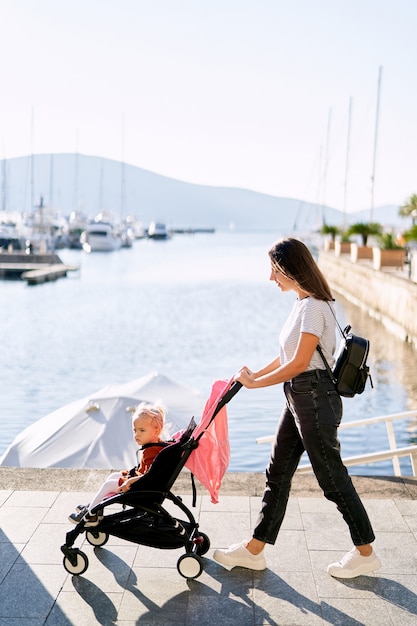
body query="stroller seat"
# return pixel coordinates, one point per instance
(143, 519)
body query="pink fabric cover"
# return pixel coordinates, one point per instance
(210, 460)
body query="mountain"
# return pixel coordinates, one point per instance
(92, 184)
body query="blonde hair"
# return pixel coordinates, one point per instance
(156, 412)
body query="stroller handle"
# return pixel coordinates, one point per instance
(236, 385)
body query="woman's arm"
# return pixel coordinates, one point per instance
(272, 366)
(268, 376)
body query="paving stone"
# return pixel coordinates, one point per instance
(127, 584)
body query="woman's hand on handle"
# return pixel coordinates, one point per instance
(245, 377)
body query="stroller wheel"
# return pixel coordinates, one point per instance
(96, 538)
(190, 565)
(76, 562)
(203, 544)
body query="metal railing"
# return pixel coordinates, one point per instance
(393, 453)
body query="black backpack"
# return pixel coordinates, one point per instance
(350, 371)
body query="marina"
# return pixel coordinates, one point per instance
(193, 309)
(152, 153)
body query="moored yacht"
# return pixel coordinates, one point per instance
(157, 230)
(100, 236)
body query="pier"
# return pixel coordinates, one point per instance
(34, 268)
(387, 294)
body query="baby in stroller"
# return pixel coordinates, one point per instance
(148, 423)
(144, 518)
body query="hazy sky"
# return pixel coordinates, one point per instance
(241, 93)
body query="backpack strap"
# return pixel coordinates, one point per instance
(320, 351)
(342, 332)
(329, 371)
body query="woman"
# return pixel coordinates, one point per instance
(309, 420)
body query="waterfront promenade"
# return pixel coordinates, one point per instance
(387, 295)
(127, 584)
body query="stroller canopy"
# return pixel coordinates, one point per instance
(210, 460)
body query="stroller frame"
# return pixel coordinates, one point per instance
(143, 518)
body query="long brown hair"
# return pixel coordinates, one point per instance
(293, 258)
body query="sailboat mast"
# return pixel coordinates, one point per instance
(326, 164)
(75, 199)
(4, 185)
(51, 181)
(122, 170)
(375, 144)
(32, 166)
(101, 187)
(319, 186)
(347, 163)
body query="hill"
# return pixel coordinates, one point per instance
(92, 184)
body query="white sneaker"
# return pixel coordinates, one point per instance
(238, 555)
(354, 564)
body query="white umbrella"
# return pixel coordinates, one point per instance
(95, 432)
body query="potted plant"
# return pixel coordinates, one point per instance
(342, 244)
(364, 230)
(388, 253)
(332, 231)
(411, 235)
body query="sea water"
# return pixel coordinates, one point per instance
(194, 308)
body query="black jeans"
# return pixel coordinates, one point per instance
(309, 422)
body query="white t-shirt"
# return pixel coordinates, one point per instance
(312, 316)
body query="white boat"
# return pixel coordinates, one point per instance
(138, 229)
(127, 237)
(100, 236)
(46, 229)
(10, 240)
(157, 230)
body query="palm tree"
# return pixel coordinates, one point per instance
(411, 235)
(327, 229)
(387, 241)
(365, 229)
(409, 208)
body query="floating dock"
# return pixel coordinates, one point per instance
(33, 268)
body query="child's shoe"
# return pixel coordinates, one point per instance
(90, 520)
(76, 518)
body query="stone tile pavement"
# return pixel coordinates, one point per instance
(127, 584)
